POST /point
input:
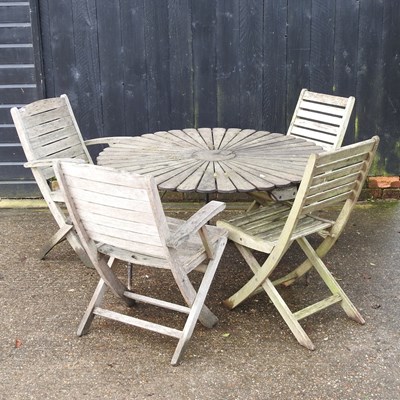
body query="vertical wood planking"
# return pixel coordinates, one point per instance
(157, 60)
(47, 51)
(298, 51)
(87, 106)
(204, 62)
(369, 81)
(274, 76)
(322, 46)
(181, 67)
(346, 50)
(390, 139)
(227, 45)
(20, 83)
(62, 48)
(111, 67)
(134, 67)
(250, 63)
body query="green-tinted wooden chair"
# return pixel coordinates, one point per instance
(330, 179)
(320, 118)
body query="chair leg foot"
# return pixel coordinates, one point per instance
(96, 300)
(198, 305)
(58, 237)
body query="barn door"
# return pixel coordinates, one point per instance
(20, 83)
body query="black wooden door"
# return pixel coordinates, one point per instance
(20, 83)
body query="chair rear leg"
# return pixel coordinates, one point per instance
(287, 315)
(66, 232)
(330, 281)
(277, 300)
(206, 317)
(198, 303)
(306, 265)
(59, 236)
(96, 301)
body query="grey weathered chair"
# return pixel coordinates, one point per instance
(118, 215)
(48, 131)
(320, 118)
(330, 179)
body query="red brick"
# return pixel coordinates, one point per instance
(395, 184)
(391, 194)
(382, 181)
(367, 194)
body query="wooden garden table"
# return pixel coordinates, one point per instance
(210, 160)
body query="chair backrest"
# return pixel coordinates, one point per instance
(48, 129)
(321, 118)
(115, 208)
(333, 178)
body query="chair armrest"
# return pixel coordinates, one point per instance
(48, 162)
(108, 140)
(195, 222)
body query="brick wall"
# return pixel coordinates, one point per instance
(381, 187)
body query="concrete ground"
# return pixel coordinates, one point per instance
(250, 354)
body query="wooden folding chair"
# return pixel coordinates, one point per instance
(118, 215)
(330, 179)
(48, 131)
(320, 118)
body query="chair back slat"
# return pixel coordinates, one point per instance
(321, 118)
(338, 176)
(59, 134)
(116, 208)
(47, 129)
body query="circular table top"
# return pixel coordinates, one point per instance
(209, 160)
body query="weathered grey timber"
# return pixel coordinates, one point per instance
(119, 215)
(331, 178)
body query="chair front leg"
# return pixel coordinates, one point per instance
(198, 303)
(207, 317)
(260, 274)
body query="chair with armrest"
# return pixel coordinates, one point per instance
(48, 131)
(119, 215)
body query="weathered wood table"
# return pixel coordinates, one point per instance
(209, 160)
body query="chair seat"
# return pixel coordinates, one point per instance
(260, 229)
(191, 253)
